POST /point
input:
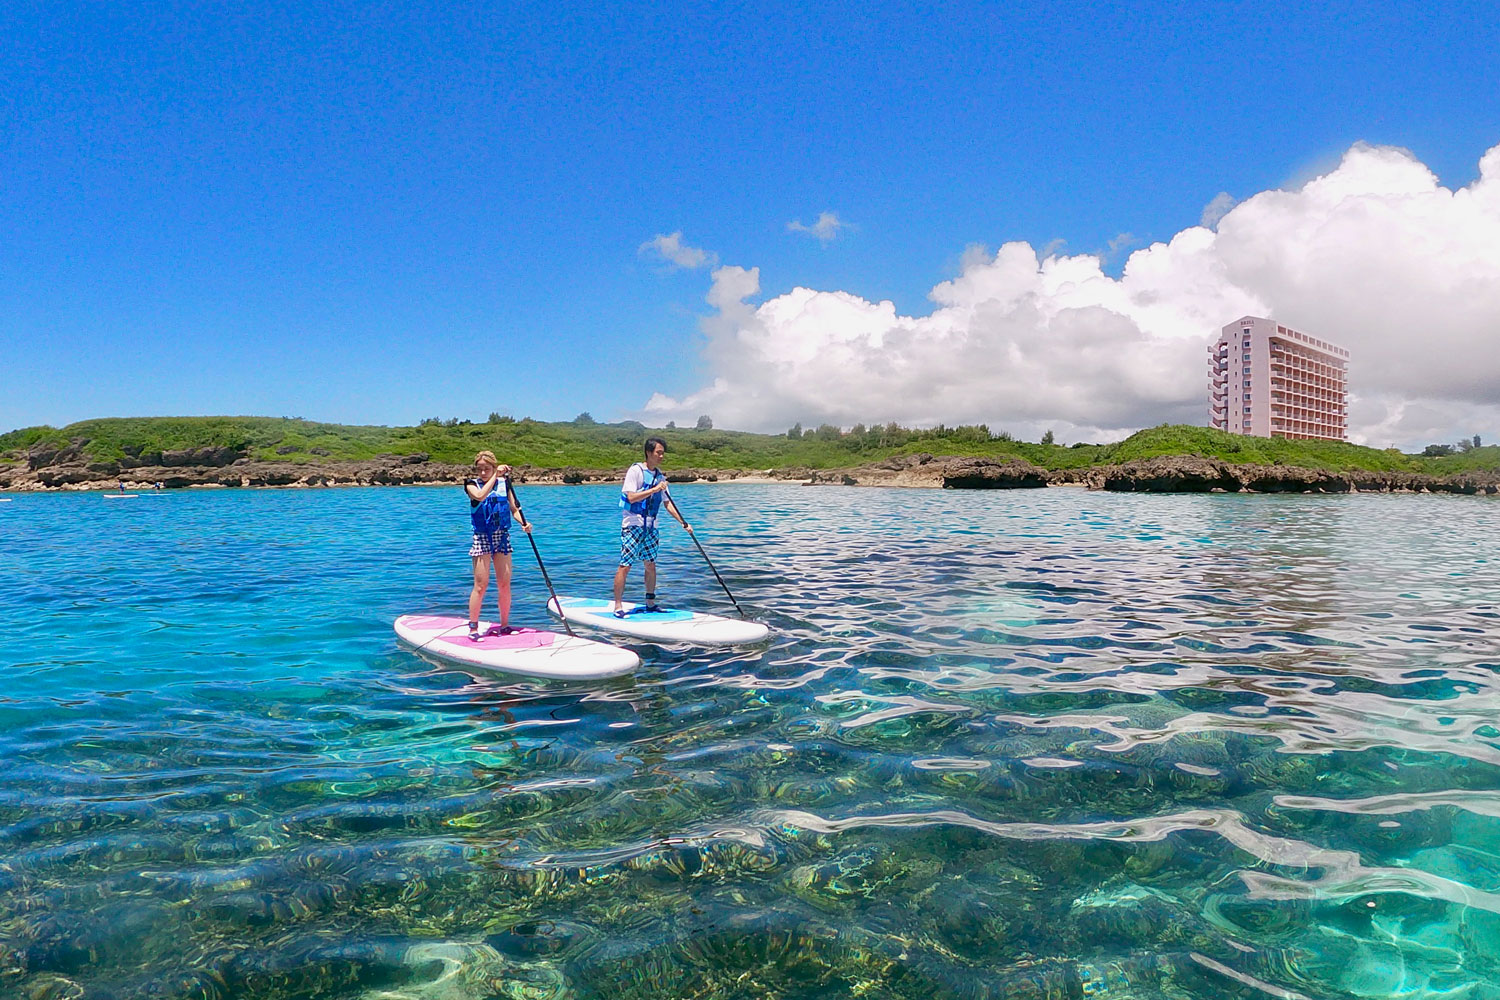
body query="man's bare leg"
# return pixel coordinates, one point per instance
(620, 575)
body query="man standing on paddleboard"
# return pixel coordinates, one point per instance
(644, 490)
(490, 509)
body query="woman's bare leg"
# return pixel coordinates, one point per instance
(502, 587)
(481, 583)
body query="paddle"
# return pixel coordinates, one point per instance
(511, 490)
(694, 537)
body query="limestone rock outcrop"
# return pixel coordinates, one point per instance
(1170, 474)
(989, 474)
(212, 456)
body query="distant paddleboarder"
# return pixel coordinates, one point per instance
(642, 494)
(490, 509)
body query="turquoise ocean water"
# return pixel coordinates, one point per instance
(1020, 744)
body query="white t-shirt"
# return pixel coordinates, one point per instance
(635, 481)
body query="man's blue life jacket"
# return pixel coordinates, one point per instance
(491, 514)
(647, 506)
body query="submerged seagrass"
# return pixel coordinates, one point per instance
(1004, 744)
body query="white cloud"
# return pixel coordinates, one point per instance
(826, 229)
(1375, 255)
(670, 248)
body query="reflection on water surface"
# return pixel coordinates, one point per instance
(1033, 744)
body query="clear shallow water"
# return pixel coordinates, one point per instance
(1030, 744)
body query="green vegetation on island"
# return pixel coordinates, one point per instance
(585, 443)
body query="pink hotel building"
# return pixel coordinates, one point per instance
(1271, 381)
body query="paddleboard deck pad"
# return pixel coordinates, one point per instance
(666, 625)
(528, 651)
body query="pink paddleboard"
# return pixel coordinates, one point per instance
(528, 651)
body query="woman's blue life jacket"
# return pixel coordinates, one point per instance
(648, 506)
(492, 514)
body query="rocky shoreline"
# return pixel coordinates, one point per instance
(45, 469)
(1167, 474)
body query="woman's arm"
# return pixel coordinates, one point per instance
(483, 491)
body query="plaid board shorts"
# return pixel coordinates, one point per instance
(638, 544)
(498, 544)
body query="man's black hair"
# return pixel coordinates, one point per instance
(652, 442)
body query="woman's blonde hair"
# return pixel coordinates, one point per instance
(486, 456)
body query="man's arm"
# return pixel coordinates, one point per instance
(632, 486)
(637, 495)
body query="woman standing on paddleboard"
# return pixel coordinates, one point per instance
(490, 509)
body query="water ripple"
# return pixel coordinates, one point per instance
(1044, 744)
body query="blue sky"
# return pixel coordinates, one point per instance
(374, 213)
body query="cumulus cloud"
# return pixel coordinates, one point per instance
(670, 248)
(1375, 255)
(826, 229)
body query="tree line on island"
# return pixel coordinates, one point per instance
(1463, 447)
(589, 444)
(859, 437)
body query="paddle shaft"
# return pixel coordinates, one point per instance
(704, 554)
(446, 631)
(510, 489)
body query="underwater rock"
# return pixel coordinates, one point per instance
(1126, 914)
(760, 952)
(540, 937)
(69, 941)
(849, 878)
(990, 916)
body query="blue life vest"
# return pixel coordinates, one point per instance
(491, 514)
(648, 506)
